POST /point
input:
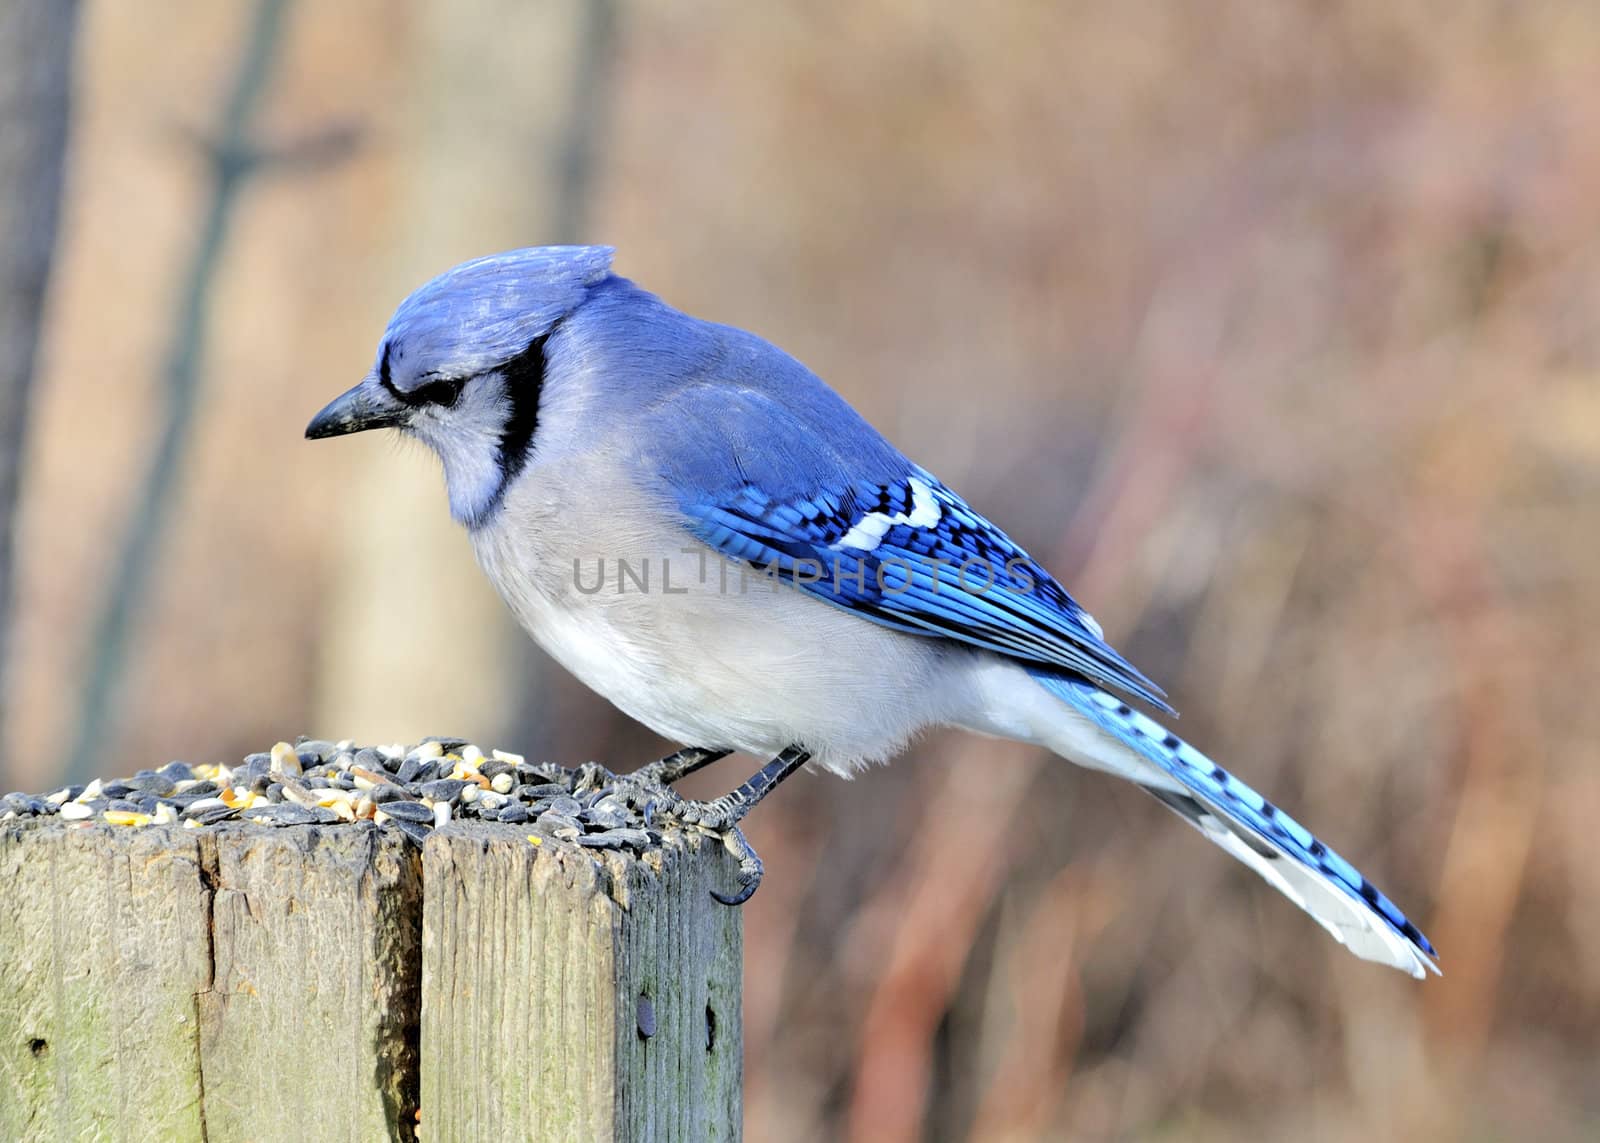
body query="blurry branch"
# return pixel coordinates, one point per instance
(35, 95)
(233, 157)
(312, 152)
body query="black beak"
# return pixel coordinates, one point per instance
(367, 406)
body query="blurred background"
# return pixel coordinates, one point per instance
(1270, 327)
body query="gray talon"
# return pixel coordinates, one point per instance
(750, 868)
(592, 776)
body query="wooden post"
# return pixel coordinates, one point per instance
(260, 983)
(621, 1018)
(104, 955)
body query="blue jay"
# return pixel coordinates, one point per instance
(701, 530)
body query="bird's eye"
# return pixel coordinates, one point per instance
(444, 392)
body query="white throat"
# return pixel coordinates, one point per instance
(467, 439)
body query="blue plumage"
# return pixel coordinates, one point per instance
(580, 418)
(1216, 793)
(483, 313)
(908, 578)
(955, 576)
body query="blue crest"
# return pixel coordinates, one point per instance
(484, 312)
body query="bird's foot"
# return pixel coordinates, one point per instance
(750, 868)
(649, 791)
(656, 801)
(593, 776)
(720, 818)
(649, 788)
(716, 816)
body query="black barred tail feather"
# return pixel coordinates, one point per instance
(1259, 834)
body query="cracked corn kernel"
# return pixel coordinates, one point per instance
(465, 772)
(239, 798)
(126, 818)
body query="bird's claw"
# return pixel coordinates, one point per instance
(719, 818)
(646, 796)
(593, 776)
(750, 867)
(648, 810)
(649, 791)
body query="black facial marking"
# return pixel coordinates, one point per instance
(386, 380)
(441, 391)
(524, 380)
(444, 392)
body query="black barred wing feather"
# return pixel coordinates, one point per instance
(912, 555)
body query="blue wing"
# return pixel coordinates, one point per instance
(772, 468)
(909, 553)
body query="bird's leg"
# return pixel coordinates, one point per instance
(650, 785)
(665, 771)
(651, 778)
(723, 815)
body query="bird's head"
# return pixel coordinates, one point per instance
(462, 364)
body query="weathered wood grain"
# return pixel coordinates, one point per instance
(571, 996)
(309, 1028)
(103, 952)
(235, 983)
(254, 983)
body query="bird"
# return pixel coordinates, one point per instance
(705, 533)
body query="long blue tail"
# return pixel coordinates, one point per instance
(1255, 831)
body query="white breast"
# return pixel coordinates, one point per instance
(684, 641)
